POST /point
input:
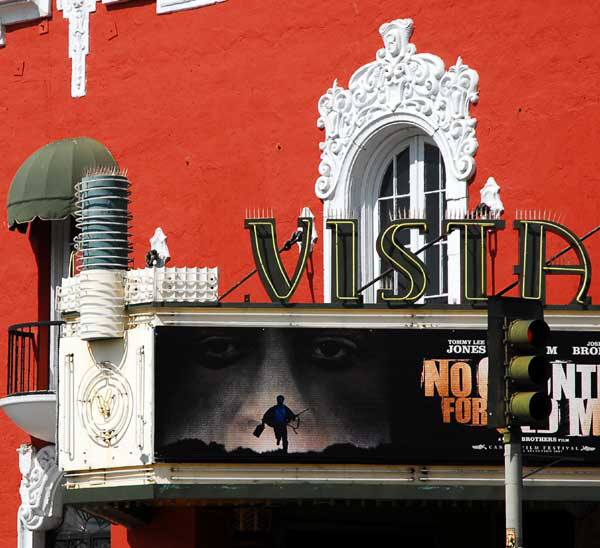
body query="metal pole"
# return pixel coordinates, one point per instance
(513, 488)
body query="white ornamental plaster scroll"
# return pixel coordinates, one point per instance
(41, 492)
(405, 87)
(78, 14)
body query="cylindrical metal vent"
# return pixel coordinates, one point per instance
(103, 219)
(103, 251)
(102, 312)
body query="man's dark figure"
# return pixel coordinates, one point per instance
(278, 417)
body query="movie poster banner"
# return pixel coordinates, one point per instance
(357, 395)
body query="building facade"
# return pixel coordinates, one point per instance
(315, 169)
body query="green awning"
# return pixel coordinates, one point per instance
(43, 186)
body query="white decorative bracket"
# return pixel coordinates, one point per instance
(78, 14)
(19, 11)
(41, 492)
(399, 87)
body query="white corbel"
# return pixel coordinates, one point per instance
(41, 506)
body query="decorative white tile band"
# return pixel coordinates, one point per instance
(151, 285)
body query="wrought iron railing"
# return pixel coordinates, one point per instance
(31, 349)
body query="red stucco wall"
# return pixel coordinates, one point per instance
(214, 111)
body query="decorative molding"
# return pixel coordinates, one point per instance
(19, 11)
(78, 14)
(490, 196)
(105, 404)
(69, 403)
(41, 493)
(140, 373)
(72, 327)
(162, 284)
(68, 295)
(167, 6)
(405, 87)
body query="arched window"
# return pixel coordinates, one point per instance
(414, 185)
(399, 138)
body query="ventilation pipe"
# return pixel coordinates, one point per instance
(102, 216)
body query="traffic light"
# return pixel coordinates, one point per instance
(518, 369)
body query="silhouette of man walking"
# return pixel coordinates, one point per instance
(278, 417)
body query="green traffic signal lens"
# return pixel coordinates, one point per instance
(529, 407)
(529, 370)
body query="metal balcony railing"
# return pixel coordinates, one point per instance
(31, 351)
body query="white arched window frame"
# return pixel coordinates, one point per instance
(400, 95)
(413, 203)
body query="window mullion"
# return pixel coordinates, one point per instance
(417, 188)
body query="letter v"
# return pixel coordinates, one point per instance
(273, 275)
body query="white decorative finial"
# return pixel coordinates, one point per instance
(158, 242)
(396, 35)
(306, 212)
(490, 196)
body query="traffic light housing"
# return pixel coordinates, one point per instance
(518, 369)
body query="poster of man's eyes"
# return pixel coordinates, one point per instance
(240, 394)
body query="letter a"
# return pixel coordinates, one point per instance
(533, 267)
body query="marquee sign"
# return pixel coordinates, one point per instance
(532, 268)
(340, 395)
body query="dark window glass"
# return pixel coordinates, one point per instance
(432, 214)
(387, 182)
(386, 208)
(443, 178)
(403, 172)
(432, 170)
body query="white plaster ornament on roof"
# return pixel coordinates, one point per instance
(399, 86)
(490, 196)
(158, 245)
(306, 212)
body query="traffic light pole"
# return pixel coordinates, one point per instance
(518, 375)
(513, 487)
